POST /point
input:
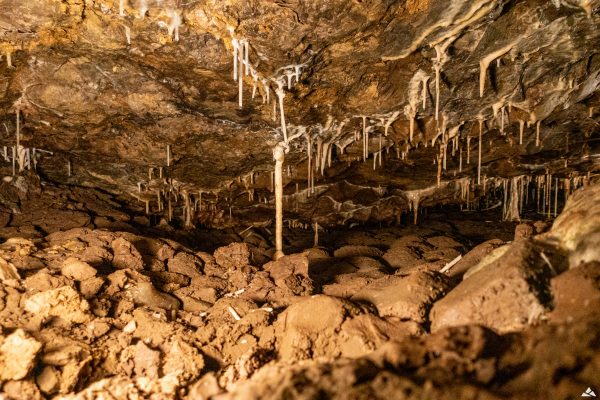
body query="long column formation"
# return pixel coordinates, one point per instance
(279, 157)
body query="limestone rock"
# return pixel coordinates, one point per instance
(17, 355)
(77, 270)
(236, 255)
(126, 255)
(185, 264)
(64, 303)
(7, 271)
(407, 297)
(357, 251)
(508, 294)
(291, 272)
(474, 256)
(576, 293)
(48, 380)
(182, 360)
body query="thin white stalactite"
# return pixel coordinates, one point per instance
(424, 92)
(246, 57)
(468, 150)
(18, 131)
(364, 136)
(437, 68)
(127, 34)
(521, 129)
(254, 75)
(479, 152)
(236, 45)
(280, 95)
(240, 80)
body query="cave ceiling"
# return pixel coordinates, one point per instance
(138, 97)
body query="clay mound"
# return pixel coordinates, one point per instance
(233, 256)
(576, 293)
(474, 256)
(415, 242)
(507, 294)
(291, 274)
(406, 297)
(442, 242)
(323, 326)
(400, 257)
(357, 251)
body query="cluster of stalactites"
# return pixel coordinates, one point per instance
(518, 194)
(172, 23)
(22, 158)
(161, 194)
(283, 79)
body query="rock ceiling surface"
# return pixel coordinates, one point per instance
(115, 88)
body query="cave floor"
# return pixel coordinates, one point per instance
(101, 302)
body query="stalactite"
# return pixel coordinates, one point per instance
(512, 212)
(414, 98)
(468, 150)
(537, 134)
(444, 147)
(389, 120)
(241, 76)
(280, 95)
(254, 75)
(424, 82)
(127, 34)
(236, 46)
(309, 172)
(438, 62)
(521, 128)
(439, 169)
(246, 57)
(479, 152)
(174, 24)
(364, 135)
(484, 63)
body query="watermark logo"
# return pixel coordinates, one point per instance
(588, 393)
